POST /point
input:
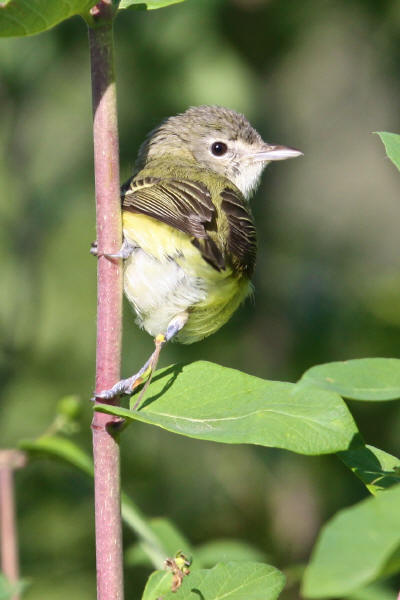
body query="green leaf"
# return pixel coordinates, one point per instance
(158, 585)
(224, 550)
(376, 468)
(359, 379)
(147, 4)
(354, 547)
(391, 142)
(61, 448)
(210, 402)
(168, 536)
(26, 17)
(373, 592)
(230, 581)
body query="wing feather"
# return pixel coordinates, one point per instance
(188, 207)
(184, 205)
(242, 237)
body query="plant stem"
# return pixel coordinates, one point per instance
(9, 460)
(109, 303)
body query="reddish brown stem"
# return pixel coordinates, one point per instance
(9, 460)
(109, 304)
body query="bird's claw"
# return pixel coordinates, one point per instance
(124, 252)
(145, 374)
(124, 386)
(93, 248)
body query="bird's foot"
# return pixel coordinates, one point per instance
(151, 365)
(127, 386)
(124, 252)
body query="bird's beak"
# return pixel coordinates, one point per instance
(275, 153)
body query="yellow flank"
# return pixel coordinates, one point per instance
(184, 281)
(153, 236)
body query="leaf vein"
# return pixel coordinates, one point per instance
(251, 580)
(206, 420)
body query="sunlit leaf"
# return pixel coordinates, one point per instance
(392, 146)
(376, 468)
(147, 4)
(231, 581)
(206, 401)
(23, 17)
(226, 550)
(360, 379)
(158, 585)
(354, 548)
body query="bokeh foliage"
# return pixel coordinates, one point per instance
(320, 76)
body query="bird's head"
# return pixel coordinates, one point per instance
(217, 139)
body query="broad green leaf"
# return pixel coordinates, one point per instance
(168, 536)
(393, 564)
(354, 547)
(230, 581)
(226, 550)
(206, 401)
(26, 17)
(59, 447)
(158, 585)
(376, 468)
(359, 379)
(147, 4)
(391, 142)
(373, 592)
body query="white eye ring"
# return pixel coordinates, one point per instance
(219, 148)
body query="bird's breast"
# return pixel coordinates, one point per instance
(166, 275)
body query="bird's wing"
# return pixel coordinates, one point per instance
(185, 205)
(182, 204)
(242, 237)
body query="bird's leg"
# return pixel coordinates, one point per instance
(127, 386)
(124, 252)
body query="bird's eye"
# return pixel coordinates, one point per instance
(219, 148)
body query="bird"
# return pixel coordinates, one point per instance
(189, 237)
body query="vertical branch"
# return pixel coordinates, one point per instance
(9, 543)
(9, 460)
(109, 302)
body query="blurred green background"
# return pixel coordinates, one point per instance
(319, 75)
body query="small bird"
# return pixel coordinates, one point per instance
(190, 241)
